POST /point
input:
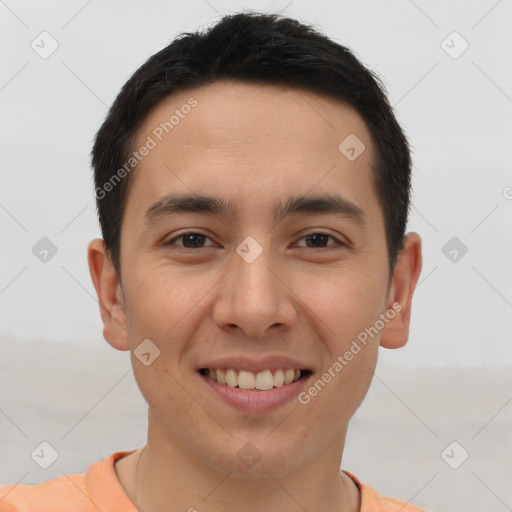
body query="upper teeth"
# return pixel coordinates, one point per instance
(249, 380)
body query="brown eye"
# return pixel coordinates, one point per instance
(319, 240)
(190, 240)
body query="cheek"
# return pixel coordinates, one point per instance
(177, 410)
(160, 310)
(348, 310)
(336, 392)
(344, 306)
(158, 305)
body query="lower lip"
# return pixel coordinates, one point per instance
(256, 401)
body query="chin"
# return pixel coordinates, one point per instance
(252, 460)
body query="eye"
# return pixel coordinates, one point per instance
(318, 240)
(191, 240)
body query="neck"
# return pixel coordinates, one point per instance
(166, 472)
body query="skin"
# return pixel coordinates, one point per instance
(252, 145)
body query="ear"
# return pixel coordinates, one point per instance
(110, 295)
(405, 276)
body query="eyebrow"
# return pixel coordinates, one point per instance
(324, 204)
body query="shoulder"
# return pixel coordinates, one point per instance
(96, 489)
(372, 501)
(57, 495)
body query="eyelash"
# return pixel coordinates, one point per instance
(186, 249)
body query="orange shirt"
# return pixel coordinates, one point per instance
(98, 489)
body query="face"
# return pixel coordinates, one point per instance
(259, 288)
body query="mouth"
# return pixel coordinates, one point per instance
(255, 381)
(254, 385)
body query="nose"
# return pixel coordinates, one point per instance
(255, 297)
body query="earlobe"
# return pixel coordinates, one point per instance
(407, 271)
(110, 295)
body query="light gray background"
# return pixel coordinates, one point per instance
(451, 382)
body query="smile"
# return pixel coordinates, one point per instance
(256, 381)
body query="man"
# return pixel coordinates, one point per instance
(253, 187)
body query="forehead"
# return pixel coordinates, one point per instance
(260, 111)
(247, 137)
